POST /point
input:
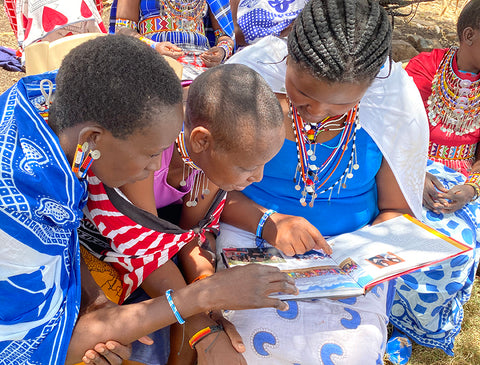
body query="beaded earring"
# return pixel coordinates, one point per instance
(82, 160)
(200, 181)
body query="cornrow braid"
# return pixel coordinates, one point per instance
(341, 40)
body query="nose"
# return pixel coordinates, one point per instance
(257, 175)
(155, 163)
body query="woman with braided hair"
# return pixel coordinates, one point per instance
(354, 154)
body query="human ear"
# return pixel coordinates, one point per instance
(200, 139)
(91, 134)
(468, 35)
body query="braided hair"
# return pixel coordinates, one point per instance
(344, 41)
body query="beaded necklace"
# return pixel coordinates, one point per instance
(454, 103)
(200, 181)
(185, 13)
(314, 178)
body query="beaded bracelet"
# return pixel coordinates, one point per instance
(227, 46)
(474, 181)
(477, 190)
(179, 318)
(125, 23)
(204, 332)
(258, 239)
(219, 33)
(148, 41)
(200, 277)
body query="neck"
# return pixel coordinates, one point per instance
(464, 63)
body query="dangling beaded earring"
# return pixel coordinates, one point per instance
(82, 161)
(200, 181)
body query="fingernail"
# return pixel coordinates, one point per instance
(110, 346)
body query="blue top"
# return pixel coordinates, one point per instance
(352, 208)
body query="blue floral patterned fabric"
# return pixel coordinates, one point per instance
(40, 208)
(428, 304)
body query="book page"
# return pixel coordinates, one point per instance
(392, 247)
(316, 274)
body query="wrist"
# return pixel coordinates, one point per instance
(259, 240)
(474, 189)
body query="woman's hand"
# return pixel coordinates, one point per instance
(247, 287)
(294, 235)
(230, 330)
(169, 49)
(456, 198)
(111, 353)
(432, 199)
(213, 57)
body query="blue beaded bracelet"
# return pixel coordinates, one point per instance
(258, 239)
(179, 318)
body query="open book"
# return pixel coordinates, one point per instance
(360, 260)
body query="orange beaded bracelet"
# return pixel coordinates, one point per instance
(204, 332)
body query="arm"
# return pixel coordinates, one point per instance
(462, 194)
(290, 234)
(196, 261)
(223, 46)
(128, 10)
(100, 320)
(391, 201)
(239, 37)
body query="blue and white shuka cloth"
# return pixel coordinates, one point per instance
(260, 18)
(40, 207)
(428, 304)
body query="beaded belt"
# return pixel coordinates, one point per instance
(158, 24)
(462, 152)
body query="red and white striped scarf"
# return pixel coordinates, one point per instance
(133, 241)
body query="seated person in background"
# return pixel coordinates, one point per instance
(34, 21)
(346, 162)
(233, 126)
(428, 306)
(52, 311)
(449, 82)
(178, 29)
(255, 19)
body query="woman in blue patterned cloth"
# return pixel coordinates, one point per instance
(354, 154)
(428, 306)
(51, 310)
(255, 19)
(179, 29)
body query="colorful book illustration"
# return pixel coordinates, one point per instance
(360, 259)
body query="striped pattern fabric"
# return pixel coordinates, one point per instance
(135, 242)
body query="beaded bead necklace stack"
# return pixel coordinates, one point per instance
(185, 12)
(311, 179)
(200, 181)
(454, 103)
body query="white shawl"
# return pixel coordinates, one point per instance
(391, 112)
